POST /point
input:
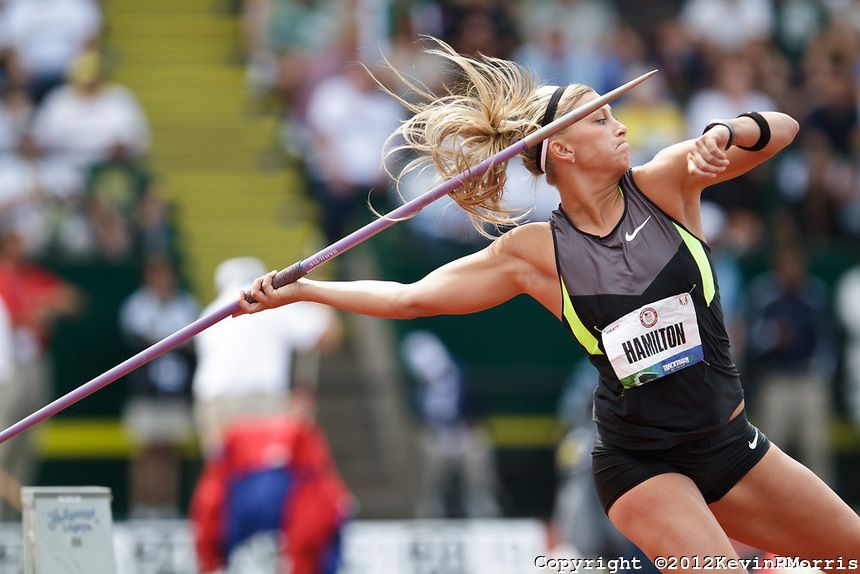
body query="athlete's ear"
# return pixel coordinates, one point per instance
(562, 151)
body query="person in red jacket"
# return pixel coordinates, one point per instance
(274, 491)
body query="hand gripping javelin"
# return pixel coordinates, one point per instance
(302, 268)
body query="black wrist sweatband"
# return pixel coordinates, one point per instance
(764, 129)
(728, 126)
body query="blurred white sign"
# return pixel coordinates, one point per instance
(442, 547)
(67, 530)
(369, 547)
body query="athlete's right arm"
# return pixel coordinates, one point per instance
(473, 283)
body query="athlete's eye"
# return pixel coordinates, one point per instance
(601, 120)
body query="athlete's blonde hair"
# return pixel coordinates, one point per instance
(494, 103)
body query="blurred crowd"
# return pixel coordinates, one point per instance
(73, 179)
(717, 58)
(75, 191)
(75, 185)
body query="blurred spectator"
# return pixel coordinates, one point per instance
(349, 120)
(16, 110)
(831, 144)
(295, 44)
(585, 24)
(729, 25)
(678, 59)
(480, 26)
(552, 61)
(91, 121)
(456, 451)
(40, 196)
(846, 11)
(272, 501)
(848, 313)
(797, 23)
(833, 49)
(35, 299)
(127, 215)
(789, 337)
(244, 365)
(647, 15)
(409, 56)
(46, 36)
(157, 415)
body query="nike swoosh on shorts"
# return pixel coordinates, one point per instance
(754, 442)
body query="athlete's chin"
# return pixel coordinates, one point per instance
(623, 160)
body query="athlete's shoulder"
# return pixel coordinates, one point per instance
(532, 243)
(527, 237)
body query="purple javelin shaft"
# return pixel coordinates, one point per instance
(305, 266)
(417, 204)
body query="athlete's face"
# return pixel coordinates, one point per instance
(598, 142)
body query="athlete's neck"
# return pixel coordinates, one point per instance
(595, 209)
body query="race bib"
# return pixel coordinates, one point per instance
(654, 340)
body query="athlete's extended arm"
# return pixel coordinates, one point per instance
(470, 284)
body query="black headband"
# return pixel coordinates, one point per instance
(551, 107)
(548, 116)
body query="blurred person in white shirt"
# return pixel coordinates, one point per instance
(46, 36)
(91, 121)
(16, 110)
(157, 414)
(349, 120)
(244, 367)
(729, 24)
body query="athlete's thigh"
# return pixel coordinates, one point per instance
(781, 506)
(666, 515)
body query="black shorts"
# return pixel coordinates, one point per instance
(715, 464)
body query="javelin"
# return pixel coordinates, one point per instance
(302, 268)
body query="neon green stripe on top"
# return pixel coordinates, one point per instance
(585, 338)
(695, 247)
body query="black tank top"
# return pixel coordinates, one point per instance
(617, 283)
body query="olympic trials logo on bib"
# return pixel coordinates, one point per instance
(648, 317)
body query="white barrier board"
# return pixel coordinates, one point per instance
(67, 530)
(502, 546)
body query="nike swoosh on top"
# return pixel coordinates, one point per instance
(632, 236)
(752, 444)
